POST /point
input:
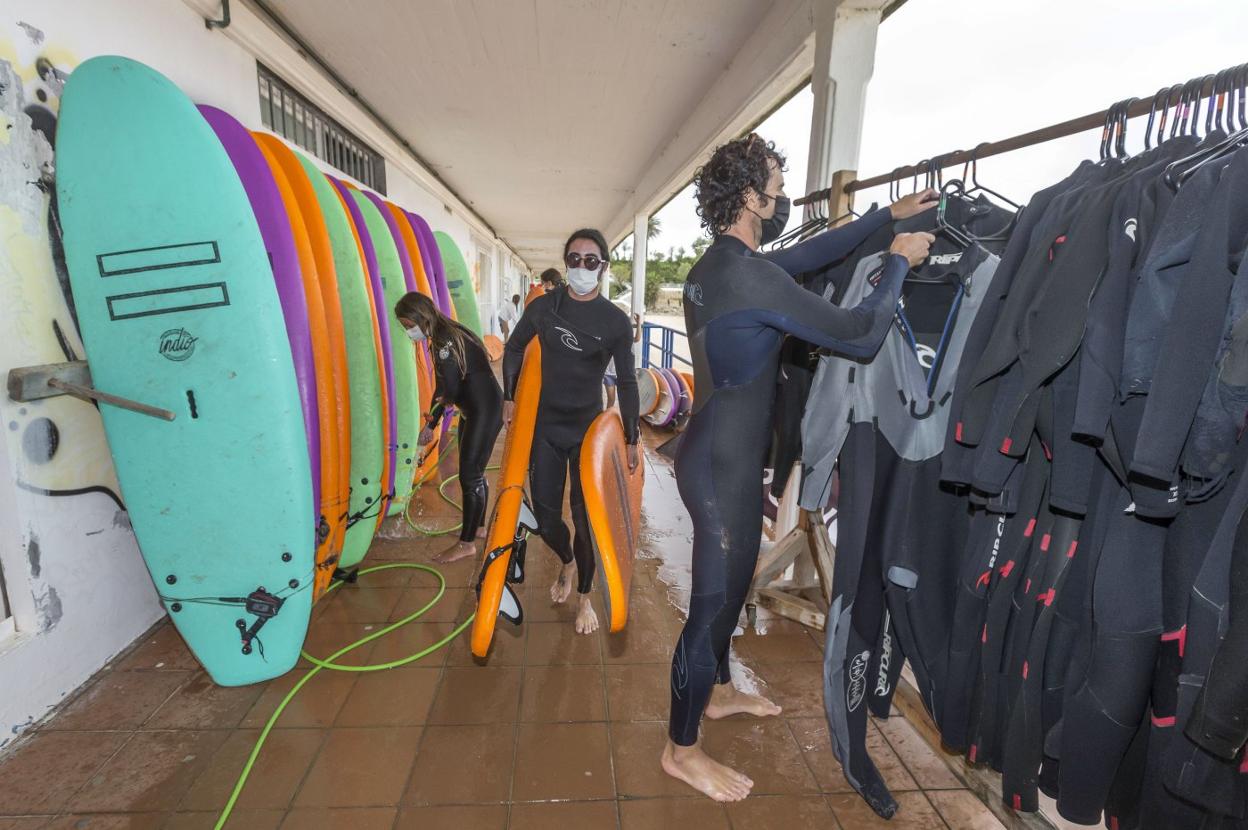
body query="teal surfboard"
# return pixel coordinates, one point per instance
(178, 309)
(364, 375)
(406, 393)
(459, 282)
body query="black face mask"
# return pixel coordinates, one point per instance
(774, 225)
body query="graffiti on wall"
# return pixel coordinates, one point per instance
(56, 446)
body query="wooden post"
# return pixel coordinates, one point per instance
(840, 202)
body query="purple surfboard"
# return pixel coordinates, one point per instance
(673, 386)
(270, 212)
(686, 400)
(409, 276)
(383, 323)
(433, 263)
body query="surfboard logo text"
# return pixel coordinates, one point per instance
(177, 345)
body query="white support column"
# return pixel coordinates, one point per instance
(641, 224)
(845, 35)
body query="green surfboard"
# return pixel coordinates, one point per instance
(406, 394)
(459, 282)
(364, 372)
(178, 310)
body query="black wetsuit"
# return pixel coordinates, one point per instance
(738, 307)
(578, 339)
(474, 391)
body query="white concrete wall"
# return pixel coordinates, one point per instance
(76, 582)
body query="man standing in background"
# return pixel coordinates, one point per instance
(509, 314)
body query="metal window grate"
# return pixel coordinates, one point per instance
(295, 118)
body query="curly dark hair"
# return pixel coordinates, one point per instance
(722, 183)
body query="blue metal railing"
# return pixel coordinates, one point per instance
(666, 345)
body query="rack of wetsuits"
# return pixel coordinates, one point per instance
(1041, 480)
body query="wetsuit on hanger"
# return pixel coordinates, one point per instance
(738, 307)
(579, 338)
(474, 391)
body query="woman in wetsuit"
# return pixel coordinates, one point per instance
(580, 332)
(738, 306)
(466, 382)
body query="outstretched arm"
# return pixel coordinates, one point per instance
(835, 244)
(825, 248)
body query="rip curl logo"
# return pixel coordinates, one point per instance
(568, 339)
(882, 685)
(693, 293)
(177, 345)
(856, 689)
(1129, 228)
(444, 352)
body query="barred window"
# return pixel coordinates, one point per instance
(295, 118)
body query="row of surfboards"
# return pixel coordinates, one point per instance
(220, 275)
(666, 395)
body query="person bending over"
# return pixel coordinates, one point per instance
(580, 332)
(738, 306)
(466, 382)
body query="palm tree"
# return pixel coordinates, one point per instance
(654, 226)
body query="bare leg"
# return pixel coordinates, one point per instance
(457, 551)
(586, 619)
(706, 775)
(727, 700)
(562, 589)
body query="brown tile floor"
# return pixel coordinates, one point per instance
(555, 731)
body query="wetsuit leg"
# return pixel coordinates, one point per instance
(582, 541)
(478, 430)
(548, 469)
(1102, 716)
(855, 616)
(727, 527)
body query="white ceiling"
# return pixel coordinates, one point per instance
(549, 115)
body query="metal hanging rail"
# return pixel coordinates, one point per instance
(1074, 126)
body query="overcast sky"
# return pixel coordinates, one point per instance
(950, 74)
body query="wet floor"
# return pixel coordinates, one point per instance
(556, 730)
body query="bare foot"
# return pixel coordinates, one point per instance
(586, 619)
(697, 769)
(480, 533)
(457, 551)
(727, 700)
(562, 589)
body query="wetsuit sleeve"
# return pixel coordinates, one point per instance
(855, 332)
(826, 248)
(513, 354)
(449, 379)
(626, 384)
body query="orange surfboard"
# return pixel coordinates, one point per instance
(534, 292)
(327, 282)
(332, 530)
(494, 347)
(505, 529)
(613, 504)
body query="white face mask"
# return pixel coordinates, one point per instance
(582, 280)
(415, 334)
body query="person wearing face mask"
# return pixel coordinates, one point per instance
(466, 382)
(739, 304)
(580, 332)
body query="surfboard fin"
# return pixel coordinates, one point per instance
(516, 577)
(527, 520)
(509, 606)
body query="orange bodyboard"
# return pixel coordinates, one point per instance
(613, 504)
(506, 517)
(534, 292)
